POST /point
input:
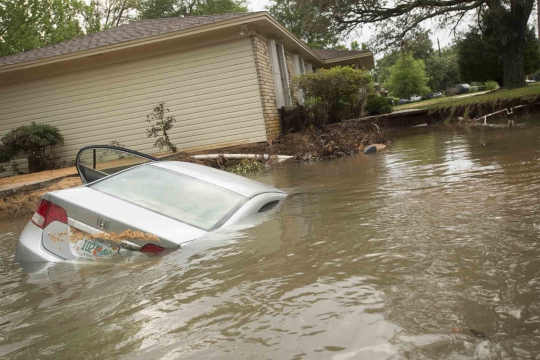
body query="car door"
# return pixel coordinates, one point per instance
(98, 161)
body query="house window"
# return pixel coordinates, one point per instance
(280, 51)
(301, 65)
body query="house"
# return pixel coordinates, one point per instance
(223, 77)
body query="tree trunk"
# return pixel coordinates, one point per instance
(514, 65)
(511, 26)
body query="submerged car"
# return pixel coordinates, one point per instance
(134, 202)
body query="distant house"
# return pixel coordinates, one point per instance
(222, 76)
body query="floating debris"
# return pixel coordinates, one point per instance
(479, 334)
(125, 235)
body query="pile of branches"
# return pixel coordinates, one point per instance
(332, 141)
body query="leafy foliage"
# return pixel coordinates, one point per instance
(480, 56)
(407, 78)
(246, 166)
(101, 15)
(29, 24)
(153, 9)
(305, 22)
(418, 44)
(331, 95)
(491, 85)
(31, 141)
(392, 21)
(379, 105)
(443, 71)
(160, 128)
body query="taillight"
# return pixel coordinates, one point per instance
(47, 212)
(151, 248)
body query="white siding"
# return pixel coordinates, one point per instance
(212, 92)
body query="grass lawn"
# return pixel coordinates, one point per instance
(533, 89)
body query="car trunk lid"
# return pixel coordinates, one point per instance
(93, 212)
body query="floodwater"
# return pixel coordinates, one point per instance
(391, 256)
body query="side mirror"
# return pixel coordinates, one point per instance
(98, 161)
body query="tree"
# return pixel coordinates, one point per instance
(395, 19)
(417, 43)
(442, 70)
(407, 78)
(101, 15)
(305, 22)
(29, 24)
(355, 45)
(153, 9)
(480, 57)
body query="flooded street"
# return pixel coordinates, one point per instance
(391, 256)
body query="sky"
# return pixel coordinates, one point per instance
(445, 36)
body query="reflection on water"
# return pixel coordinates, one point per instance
(393, 256)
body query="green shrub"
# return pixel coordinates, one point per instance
(393, 100)
(482, 88)
(331, 95)
(160, 125)
(246, 166)
(379, 105)
(371, 96)
(473, 89)
(31, 142)
(491, 85)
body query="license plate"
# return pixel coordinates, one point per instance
(85, 246)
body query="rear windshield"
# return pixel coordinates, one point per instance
(169, 193)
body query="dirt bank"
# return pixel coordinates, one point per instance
(336, 140)
(332, 141)
(469, 111)
(26, 200)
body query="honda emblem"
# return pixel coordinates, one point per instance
(102, 223)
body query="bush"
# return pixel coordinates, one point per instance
(331, 95)
(246, 166)
(491, 85)
(482, 88)
(160, 127)
(379, 105)
(473, 89)
(31, 142)
(393, 100)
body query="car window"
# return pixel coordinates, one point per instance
(192, 201)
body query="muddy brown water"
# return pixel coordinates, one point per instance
(390, 256)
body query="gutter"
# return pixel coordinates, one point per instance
(263, 15)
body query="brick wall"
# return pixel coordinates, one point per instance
(266, 87)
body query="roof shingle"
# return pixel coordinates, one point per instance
(136, 30)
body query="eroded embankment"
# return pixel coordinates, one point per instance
(336, 140)
(518, 106)
(332, 141)
(24, 201)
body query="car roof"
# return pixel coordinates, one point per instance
(236, 183)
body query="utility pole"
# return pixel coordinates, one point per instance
(439, 44)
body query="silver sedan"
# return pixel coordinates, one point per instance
(133, 202)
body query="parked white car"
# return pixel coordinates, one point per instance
(416, 98)
(133, 202)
